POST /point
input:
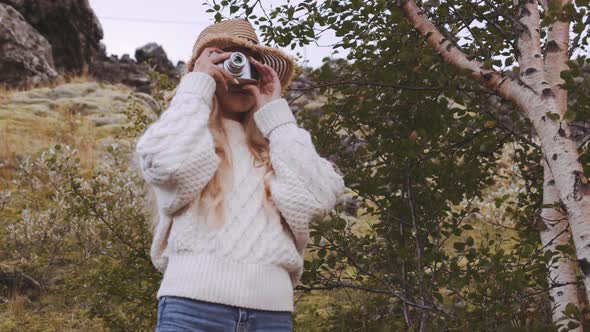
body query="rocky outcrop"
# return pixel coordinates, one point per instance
(42, 38)
(26, 56)
(134, 73)
(155, 55)
(126, 71)
(70, 26)
(180, 68)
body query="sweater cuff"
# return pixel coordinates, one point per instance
(197, 83)
(273, 114)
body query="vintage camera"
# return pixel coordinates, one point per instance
(241, 68)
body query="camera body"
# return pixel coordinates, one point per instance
(241, 68)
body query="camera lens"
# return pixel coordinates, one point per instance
(236, 63)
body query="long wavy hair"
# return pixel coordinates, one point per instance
(212, 195)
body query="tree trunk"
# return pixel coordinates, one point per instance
(564, 272)
(541, 106)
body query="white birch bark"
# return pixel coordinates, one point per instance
(537, 103)
(557, 232)
(562, 274)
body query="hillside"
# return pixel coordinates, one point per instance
(83, 113)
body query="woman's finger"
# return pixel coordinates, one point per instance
(270, 72)
(218, 57)
(219, 78)
(210, 50)
(260, 72)
(265, 68)
(206, 53)
(260, 67)
(227, 75)
(252, 89)
(274, 74)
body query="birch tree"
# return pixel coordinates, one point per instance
(539, 94)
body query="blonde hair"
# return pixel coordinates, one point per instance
(213, 193)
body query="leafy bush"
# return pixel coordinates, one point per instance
(77, 240)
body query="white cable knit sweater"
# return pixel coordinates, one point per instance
(251, 260)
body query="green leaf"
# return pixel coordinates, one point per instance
(439, 297)
(570, 115)
(508, 61)
(459, 246)
(467, 227)
(571, 310)
(339, 224)
(579, 28)
(566, 249)
(317, 238)
(552, 115)
(487, 64)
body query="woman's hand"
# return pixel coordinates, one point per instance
(207, 63)
(269, 85)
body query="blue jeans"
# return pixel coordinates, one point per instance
(177, 314)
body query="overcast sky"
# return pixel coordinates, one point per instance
(174, 24)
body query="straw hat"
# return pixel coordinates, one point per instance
(239, 32)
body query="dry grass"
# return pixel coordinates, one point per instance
(85, 76)
(28, 135)
(23, 315)
(5, 93)
(26, 128)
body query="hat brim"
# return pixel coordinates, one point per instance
(286, 67)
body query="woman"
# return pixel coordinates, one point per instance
(237, 183)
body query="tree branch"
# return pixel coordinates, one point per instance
(506, 87)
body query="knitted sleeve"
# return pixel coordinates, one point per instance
(176, 152)
(305, 185)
